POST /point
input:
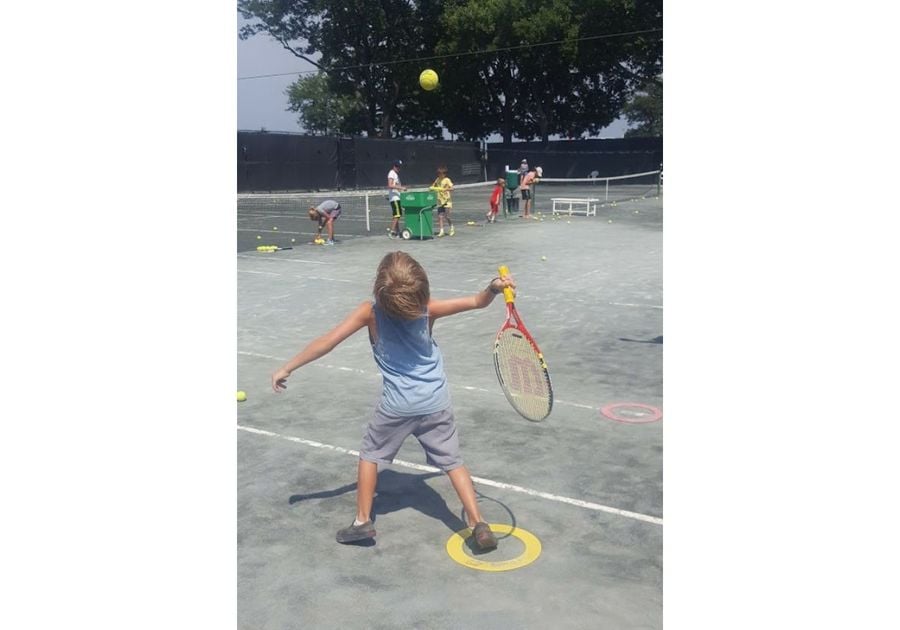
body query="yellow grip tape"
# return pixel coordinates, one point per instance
(508, 294)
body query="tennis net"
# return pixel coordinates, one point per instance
(362, 211)
(600, 190)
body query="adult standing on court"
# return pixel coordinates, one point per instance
(523, 169)
(394, 189)
(515, 194)
(325, 214)
(443, 186)
(527, 191)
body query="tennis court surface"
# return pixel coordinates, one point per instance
(577, 499)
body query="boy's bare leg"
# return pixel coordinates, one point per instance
(462, 483)
(366, 479)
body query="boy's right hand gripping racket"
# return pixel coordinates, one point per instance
(520, 365)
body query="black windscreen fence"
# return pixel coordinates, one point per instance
(278, 162)
(273, 162)
(578, 158)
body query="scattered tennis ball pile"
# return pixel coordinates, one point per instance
(319, 241)
(267, 248)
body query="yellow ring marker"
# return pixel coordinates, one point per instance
(531, 553)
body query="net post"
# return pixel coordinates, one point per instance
(607, 189)
(506, 194)
(368, 228)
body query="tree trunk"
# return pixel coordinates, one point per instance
(387, 114)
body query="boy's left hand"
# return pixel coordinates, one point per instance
(498, 284)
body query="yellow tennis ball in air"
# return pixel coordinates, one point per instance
(241, 396)
(428, 80)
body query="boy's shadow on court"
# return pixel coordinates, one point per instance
(397, 491)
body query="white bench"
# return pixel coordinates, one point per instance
(586, 206)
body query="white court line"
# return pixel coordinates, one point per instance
(487, 482)
(293, 260)
(494, 392)
(326, 279)
(638, 305)
(266, 273)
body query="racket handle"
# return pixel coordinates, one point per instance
(508, 294)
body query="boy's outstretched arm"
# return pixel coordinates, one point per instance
(443, 308)
(320, 346)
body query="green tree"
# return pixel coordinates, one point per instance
(358, 43)
(529, 69)
(645, 111)
(554, 71)
(322, 112)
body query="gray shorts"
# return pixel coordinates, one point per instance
(436, 433)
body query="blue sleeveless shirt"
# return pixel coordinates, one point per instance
(411, 364)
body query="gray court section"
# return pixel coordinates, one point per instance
(276, 219)
(594, 306)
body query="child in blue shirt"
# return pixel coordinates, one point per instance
(415, 396)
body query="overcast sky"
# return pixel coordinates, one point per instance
(262, 103)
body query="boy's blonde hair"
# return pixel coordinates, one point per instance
(313, 214)
(401, 286)
(501, 182)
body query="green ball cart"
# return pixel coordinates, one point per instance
(418, 221)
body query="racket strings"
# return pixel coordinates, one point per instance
(523, 374)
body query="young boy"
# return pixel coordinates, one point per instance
(415, 397)
(443, 186)
(496, 198)
(325, 215)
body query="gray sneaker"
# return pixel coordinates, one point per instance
(484, 537)
(355, 533)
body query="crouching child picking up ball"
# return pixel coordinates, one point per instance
(415, 397)
(325, 214)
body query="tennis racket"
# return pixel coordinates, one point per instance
(521, 368)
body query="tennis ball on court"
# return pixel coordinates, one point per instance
(428, 80)
(610, 221)
(275, 228)
(241, 396)
(258, 237)
(543, 258)
(292, 240)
